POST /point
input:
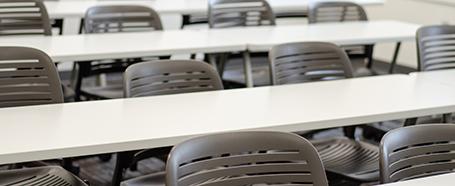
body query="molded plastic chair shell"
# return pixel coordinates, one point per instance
(121, 18)
(245, 158)
(318, 61)
(307, 62)
(417, 151)
(234, 13)
(52, 175)
(436, 47)
(28, 77)
(323, 12)
(336, 12)
(24, 17)
(350, 158)
(170, 77)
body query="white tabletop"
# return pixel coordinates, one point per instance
(122, 45)
(76, 129)
(102, 46)
(77, 8)
(440, 180)
(340, 33)
(446, 77)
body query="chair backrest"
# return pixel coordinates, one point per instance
(234, 13)
(417, 151)
(170, 77)
(336, 12)
(24, 17)
(245, 158)
(121, 18)
(307, 62)
(436, 47)
(28, 77)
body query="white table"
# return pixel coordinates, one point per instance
(124, 45)
(440, 180)
(102, 46)
(77, 8)
(85, 128)
(446, 77)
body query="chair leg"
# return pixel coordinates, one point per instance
(410, 122)
(122, 163)
(447, 118)
(67, 163)
(349, 132)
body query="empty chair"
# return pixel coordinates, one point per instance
(124, 18)
(231, 13)
(436, 47)
(336, 12)
(112, 19)
(28, 77)
(23, 17)
(324, 12)
(318, 61)
(245, 158)
(50, 175)
(307, 62)
(417, 151)
(162, 78)
(170, 77)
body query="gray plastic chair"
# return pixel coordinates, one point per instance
(112, 19)
(28, 77)
(436, 47)
(170, 77)
(319, 61)
(336, 12)
(162, 78)
(245, 158)
(417, 151)
(51, 175)
(24, 17)
(122, 18)
(324, 12)
(233, 13)
(307, 62)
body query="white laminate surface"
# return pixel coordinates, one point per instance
(446, 77)
(77, 8)
(101, 46)
(76, 129)
(440, 180)
(346, 33)
(119, 45)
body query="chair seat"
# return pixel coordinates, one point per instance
(104, 92)
(51, 175)
(349, 158)
(156, 179)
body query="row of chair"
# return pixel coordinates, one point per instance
(107, 19)
(31, 78)
(251, 158)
